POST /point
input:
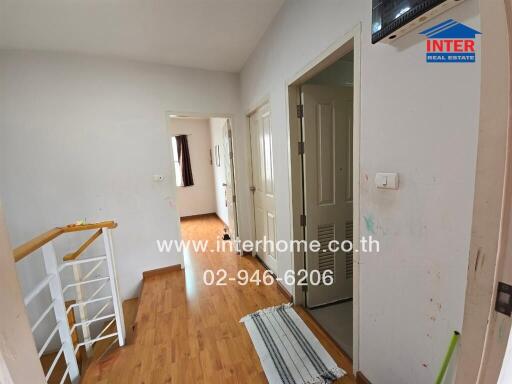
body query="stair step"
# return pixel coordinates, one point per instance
(103, 348)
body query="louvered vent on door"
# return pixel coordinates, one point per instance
(349, 256)
(325, 256)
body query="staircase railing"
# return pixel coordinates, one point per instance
(70, 344)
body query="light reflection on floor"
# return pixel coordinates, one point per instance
(190, 276)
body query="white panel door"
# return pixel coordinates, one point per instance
(230, 179)
(263, 183)
(328, 186)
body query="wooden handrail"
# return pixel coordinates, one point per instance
(36, 243)
(83, 247)
(30, 246)
(88, 226)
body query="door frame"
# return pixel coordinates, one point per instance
(351, 41)
(229, 127)
(169, 114)
(485, 332)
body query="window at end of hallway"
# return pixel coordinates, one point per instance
(177, 166)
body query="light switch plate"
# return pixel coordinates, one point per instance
(386, 180)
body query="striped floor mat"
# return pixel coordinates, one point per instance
(288, 350)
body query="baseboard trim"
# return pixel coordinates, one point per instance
(160, 271)
(284, 291)
(135, 321)
(262, 262)
(199, 216)
(361, 379)
(223, 222)
(280, 286)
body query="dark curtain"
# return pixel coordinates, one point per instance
(184, 159)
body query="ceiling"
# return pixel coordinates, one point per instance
(208, 34)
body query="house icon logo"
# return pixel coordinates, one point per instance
(451, 42)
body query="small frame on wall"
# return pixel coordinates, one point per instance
(217, 156)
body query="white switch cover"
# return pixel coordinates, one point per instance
(386, 180)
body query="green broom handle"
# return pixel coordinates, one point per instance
(448, 357)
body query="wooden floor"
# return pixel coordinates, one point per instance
(187, 332)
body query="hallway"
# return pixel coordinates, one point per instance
(187, 332)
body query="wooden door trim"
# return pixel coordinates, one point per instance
(361, 378)
(339, 48)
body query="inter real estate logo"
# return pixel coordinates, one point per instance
(451, 42)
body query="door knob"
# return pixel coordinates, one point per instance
(224, 185)
(252, 189)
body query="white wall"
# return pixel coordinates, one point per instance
(217, 138)
(419, 120)
(81, 137)
(199, 198)
(506, 369)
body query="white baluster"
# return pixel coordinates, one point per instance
(82, 310)
(50, 262)
(118, 308)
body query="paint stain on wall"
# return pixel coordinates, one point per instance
(171, 202)
(370, 224)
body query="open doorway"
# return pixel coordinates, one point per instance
(203, 166)
(327, 109)
(324, 120)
